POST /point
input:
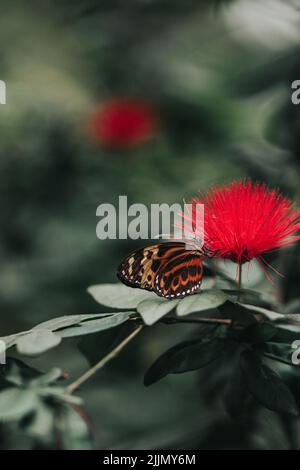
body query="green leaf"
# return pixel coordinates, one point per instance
(208, 283)
(12, 339)
(37, 342)
(236, 394)
(289, 327)
(229, 269)
(52, 376)
(52, 325)
(59, 394)
(237, 292)
(249, 295)
(285, 335)
(119, 296)
(184, 357)
(18, 373)
(269, 314)
(259, 332)
(41, 425)
(93, 326)
(292, 307)
(289, 322)
(266, 385)
(279, 351)
(73, 430)
(238, 313)
(67, 320)
(205, 300)
(293, 318)
(15, 403)
(153, 310)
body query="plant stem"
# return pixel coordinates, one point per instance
(83, 378)
(239, 282)
(214, 321)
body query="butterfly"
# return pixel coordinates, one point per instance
(169, 269)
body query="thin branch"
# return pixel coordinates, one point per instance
(83, 378)
(214, 321)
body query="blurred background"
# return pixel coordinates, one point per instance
(156, 100)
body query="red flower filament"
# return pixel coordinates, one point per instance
(243, 220)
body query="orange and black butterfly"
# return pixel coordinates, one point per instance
(169, 269)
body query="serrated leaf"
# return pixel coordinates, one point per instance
(205, 300)
(153, 310)
(119, 296)
(37, 342)
(15, 403)
(184, 357)
(94, 326)
(265, 384)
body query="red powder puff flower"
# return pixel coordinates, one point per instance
(123, 122)
(243, 220)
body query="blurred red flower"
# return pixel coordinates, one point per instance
(123, 122)
(243, 220)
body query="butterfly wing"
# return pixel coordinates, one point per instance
(180, 276)
(166, 268)
(140, 268)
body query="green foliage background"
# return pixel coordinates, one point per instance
(219, 75)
